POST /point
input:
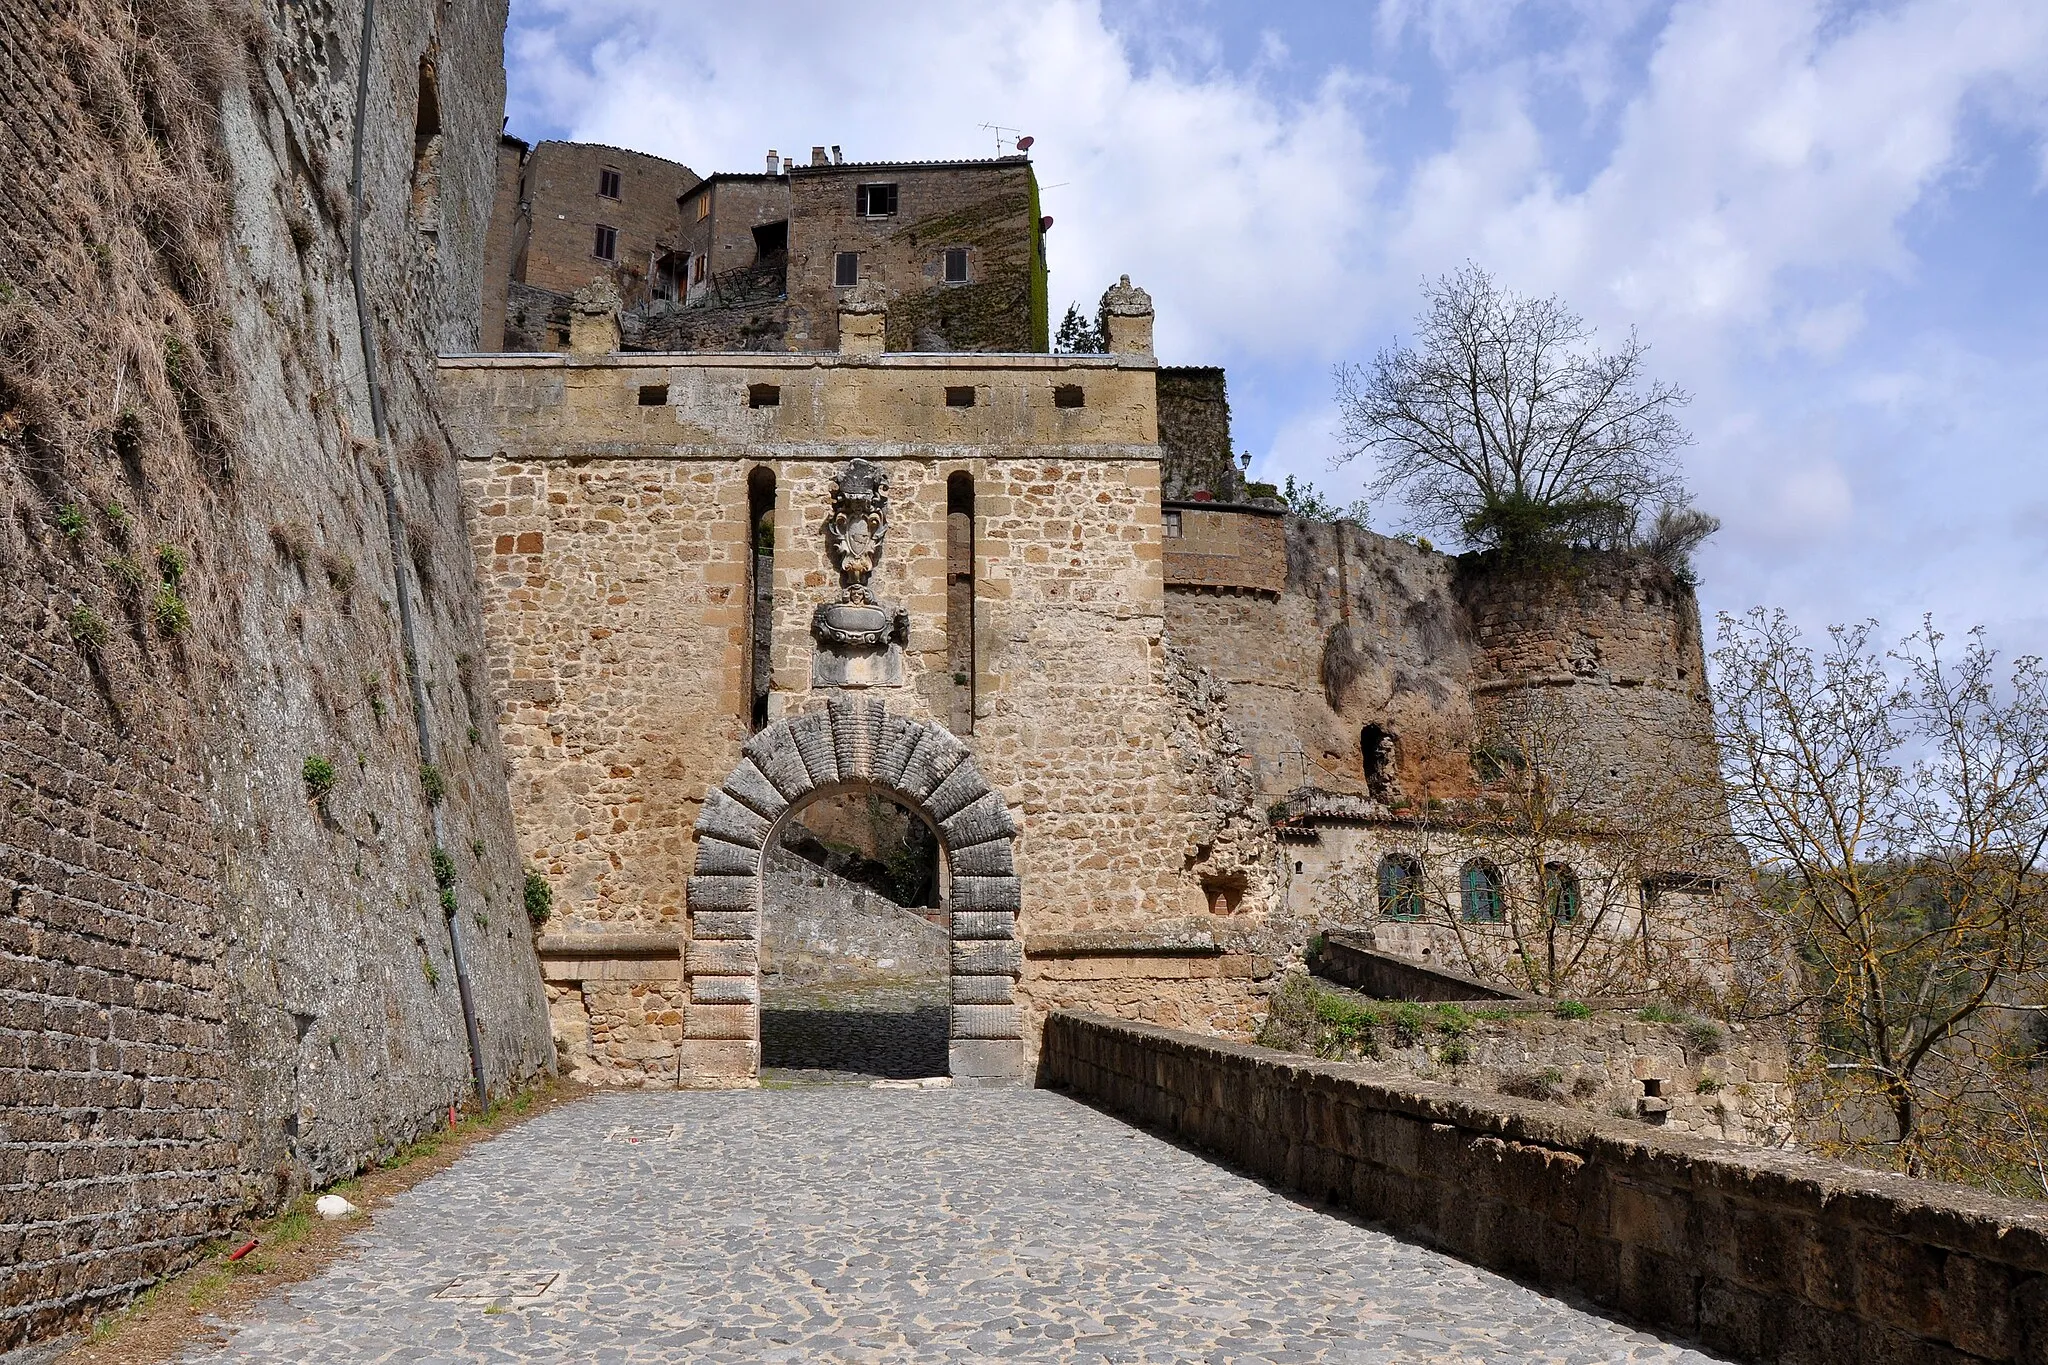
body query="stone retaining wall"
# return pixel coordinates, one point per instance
(1766, 1256)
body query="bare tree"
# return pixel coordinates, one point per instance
(1502, 423)
(1897, 806)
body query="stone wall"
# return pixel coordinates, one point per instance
(559, 186)
(1361, 630)
(612, 539)
(501, 244)
(1677, 1074)
(990, 208)
(818, 926)
(1229, 549)
(215, 990)
(1195, 457)
(1764, 1256)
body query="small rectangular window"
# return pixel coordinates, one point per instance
(764, 395)
(1068, 396)
(875, 201)
(697, 269)
(605, 243)
(703, 207)
(608, 183)
(961, 396)
(1172, 524)
(956, 265)
(653, 395)
(846, 270)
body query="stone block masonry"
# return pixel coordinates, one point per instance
(1765, 1256)
(215, 987)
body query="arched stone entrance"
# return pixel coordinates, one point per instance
(852, 744)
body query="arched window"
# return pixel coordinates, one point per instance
(1560, 893)
(1479, 893)
(1400, 887)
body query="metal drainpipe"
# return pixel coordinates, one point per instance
(394, 526)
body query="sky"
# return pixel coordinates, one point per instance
(1829, 222)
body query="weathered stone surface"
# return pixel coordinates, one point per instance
(937, 755)
(717, 858)
(893, 747)
(986, 893)
(856, 735)
(718, 1021)
(987, 957)
(987, 1021)
(984, 924)
(722, 957)
(1686, 1233)
(812, 734)
(725, 990)
(722, 893)
(751, 786)
(962, 787)
(983, 990)
(991, 859)
(986, 817)
(731, 924)
(724, 818)
(774, 753)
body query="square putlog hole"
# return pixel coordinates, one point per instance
(653, 395)
(960, 397)
(1068, 396)
(764, 395)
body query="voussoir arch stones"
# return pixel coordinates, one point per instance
(855, 743)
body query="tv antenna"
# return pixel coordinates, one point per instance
(1007, 135)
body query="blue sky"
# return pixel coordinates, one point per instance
(1829, 221)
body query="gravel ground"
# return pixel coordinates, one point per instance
(888, 1224)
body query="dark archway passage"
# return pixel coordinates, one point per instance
(855, 948)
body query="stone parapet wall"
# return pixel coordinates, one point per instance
(1765, 1256)
(1230, 549)
(818, 926)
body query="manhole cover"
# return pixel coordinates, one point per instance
(509, 1284)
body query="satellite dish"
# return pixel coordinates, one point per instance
(1045, 223)
(1024, 143)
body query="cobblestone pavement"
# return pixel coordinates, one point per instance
(825, 1033)
(887, 1224)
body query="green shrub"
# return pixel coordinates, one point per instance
(319, 776)
(1455, 1052)
(169, 612)
(1705, 1036)
(448, 905)
(170, 562)
(1452, 1021)
(1409, 1022)
(476, 849)
(71, 520)
(1659, 1014)
(89, 630)
(432, 784)
(117, 517)
(1572, 1009)
(444, 867)
(128, 574)
(540, 896)
(1709, 1085)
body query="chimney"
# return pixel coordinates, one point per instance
(818, 156)
(774, 163)
(837, 159)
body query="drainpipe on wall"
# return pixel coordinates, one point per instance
(394, 526)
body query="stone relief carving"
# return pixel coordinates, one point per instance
(860, 637)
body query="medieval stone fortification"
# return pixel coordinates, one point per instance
(313, 643)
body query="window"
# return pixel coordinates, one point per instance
(703, 207)
(956, 265)
(960, 396)
(653, 395)
(1173, 531)
(605, 243)
(960, 600)
(1560, 893)
(608, 182)
(1400, 887)
(846, 270)
(875, 201)
(764, 395)
(1479, 893)
(1068, 396)
(697, 269)
(758, 663)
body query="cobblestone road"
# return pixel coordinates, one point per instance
(840, 1032)
(887, 1224)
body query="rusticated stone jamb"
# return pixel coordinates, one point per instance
(850, 742)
